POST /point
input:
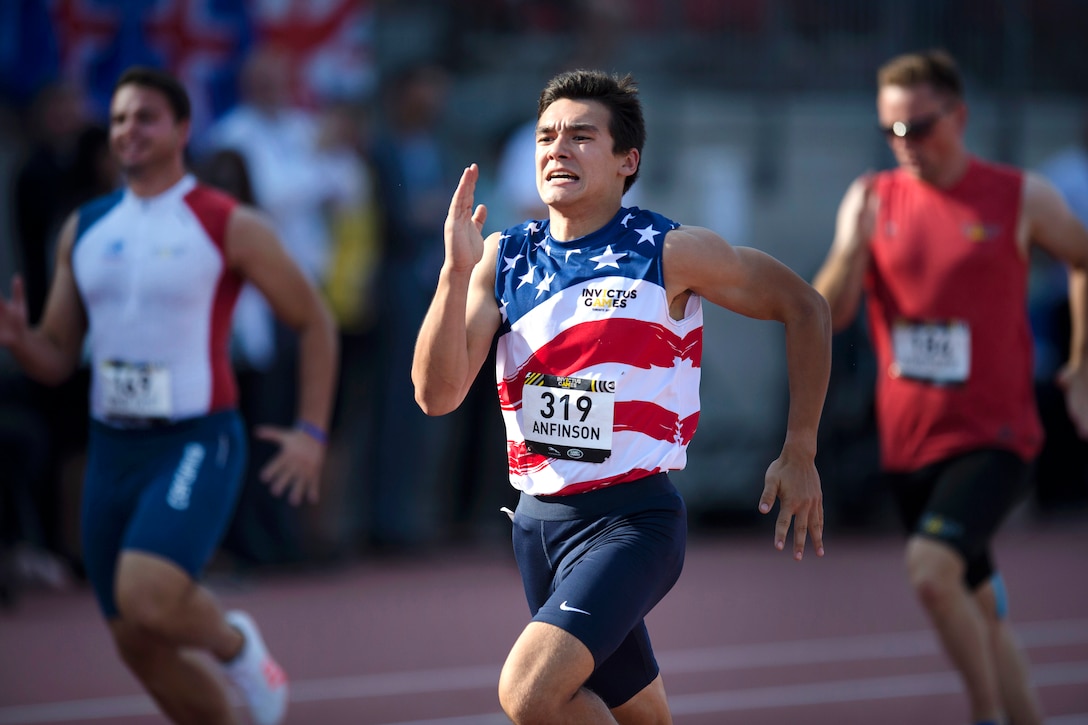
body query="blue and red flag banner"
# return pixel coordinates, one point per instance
(203, 42)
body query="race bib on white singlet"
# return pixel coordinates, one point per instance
(568, 418)
(936, 352)
(135, 390)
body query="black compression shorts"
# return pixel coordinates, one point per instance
(594, 564)
(961, 501)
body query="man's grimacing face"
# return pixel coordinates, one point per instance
(574, 155)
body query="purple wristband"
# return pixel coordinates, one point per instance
(313, 431)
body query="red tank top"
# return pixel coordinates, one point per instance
(947, 303)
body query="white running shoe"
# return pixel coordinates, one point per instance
(259, 679)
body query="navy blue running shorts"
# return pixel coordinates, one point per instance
(168, 491)
(594, 564)
(962, 501)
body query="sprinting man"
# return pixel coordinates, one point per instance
(599, 322)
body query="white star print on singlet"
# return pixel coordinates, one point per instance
(595, 309)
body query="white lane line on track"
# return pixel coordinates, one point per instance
(100, 708)
(837, 649)
(854, 648)
(825, 693)
(858, 690)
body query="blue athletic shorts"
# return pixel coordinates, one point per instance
(594, 564)
(168, 491)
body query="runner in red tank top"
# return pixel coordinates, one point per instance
(939, 247)
(946, 285)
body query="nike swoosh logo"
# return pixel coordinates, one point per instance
(566, 608)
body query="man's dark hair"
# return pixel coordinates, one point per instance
(618, 95)
(935, 68)
(164, 83)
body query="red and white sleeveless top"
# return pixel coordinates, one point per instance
(598, 384)
(153, 279)
(947, 304)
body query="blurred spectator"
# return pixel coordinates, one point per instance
(594, 43)
(1068, 170)
(515, 182)
(1062, 468)
(294, 179)
(298, 183)
(94, 170)
(43, 190)
(67, 164)
(354, 220)
(226, 169)
(350, 287)
(24, 437)
(414, 470)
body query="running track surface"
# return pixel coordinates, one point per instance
(747, 636)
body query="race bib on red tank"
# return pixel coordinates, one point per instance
(936, 352)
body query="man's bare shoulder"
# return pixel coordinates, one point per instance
(491, 248)
(696, 258)
(694, 241)
(1038, 189)
(1041, 201)
(250, 236)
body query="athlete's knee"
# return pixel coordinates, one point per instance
(935, 571)
(543, 676)
(143, 607)
(528, 698)
(522, 699)
(139, 649)
(522, 705)
(149, 594)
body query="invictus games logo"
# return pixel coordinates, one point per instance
(604, 298)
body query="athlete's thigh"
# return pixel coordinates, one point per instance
(531, 552)
(910, 492)
(594, 567)
(111, 484)
(973, 496)
(548, 659)
(185, 509)
(615, 575)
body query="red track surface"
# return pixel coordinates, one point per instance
(747, 636)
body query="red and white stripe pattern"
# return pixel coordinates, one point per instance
(596, 308)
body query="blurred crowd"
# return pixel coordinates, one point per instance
(358, 190)
(356, 178)
(358, 193)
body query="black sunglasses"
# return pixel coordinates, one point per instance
(917, 130)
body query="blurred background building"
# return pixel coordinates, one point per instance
(760, 113)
